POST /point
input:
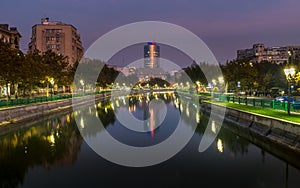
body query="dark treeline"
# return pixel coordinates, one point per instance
(27, 72)
(24, 74)
(253, 77)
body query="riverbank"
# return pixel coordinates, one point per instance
(33, 111)
(275, 113)
(29, 112)
(269, 131)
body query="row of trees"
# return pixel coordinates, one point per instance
(252, 76)
(261, 76)
(26, 72)
(35, 70)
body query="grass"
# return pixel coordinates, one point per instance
(262, 111)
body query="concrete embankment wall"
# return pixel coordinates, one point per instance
(35, 111)
(39, 110)
(280, 132)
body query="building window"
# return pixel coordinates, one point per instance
(57, 39)
(48, 30)
(58, 47)
(47, 39)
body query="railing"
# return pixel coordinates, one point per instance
(24, 101)
(192, 92)
(255, 102)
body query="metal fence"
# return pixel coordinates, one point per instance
(262, 103)
(24, 101)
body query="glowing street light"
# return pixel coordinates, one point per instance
(214, 82)
(221, 80)
(289, 73)
(82, 84)
(51, 81)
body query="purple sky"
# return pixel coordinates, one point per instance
(224, 25)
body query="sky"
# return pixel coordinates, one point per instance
(224, 25)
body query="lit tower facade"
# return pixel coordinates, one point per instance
(151, 55)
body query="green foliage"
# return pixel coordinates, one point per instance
(55, 66)
(32, 69)
(89, 72)
(195, 73)
(240, 70)
(107, 75)
(10, 60)
(155, 82)
(259, 76)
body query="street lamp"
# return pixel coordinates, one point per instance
(221, 79)
(187, 85)
(214, 83)
(198, 86)
(289, 73)
(82, 84)
(51, 80)
(221, 82)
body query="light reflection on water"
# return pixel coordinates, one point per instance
(52, 153)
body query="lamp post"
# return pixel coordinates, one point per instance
(198, 86)
(289, 73)
(221, 82)
(214, 83)
(82, 84)
(51, 80)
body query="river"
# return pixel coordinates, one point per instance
(53, 153)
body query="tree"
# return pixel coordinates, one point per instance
(55, 66)
(243, 71)
(33, 71)
(95, 72)
(10, 60)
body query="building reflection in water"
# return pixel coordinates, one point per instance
(151, 105)
(220, 146)
(154, 115)
(55, 142)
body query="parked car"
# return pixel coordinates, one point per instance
(284, 99)
(296, 104)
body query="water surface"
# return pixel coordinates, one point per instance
(52, 153)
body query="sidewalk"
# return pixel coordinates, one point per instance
(7, 103)
(274, 113)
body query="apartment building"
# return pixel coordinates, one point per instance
(259, 53)
(59, 37)
(10, 35)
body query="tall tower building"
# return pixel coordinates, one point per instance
(151, 68)
(59, 37)
(151, 55)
